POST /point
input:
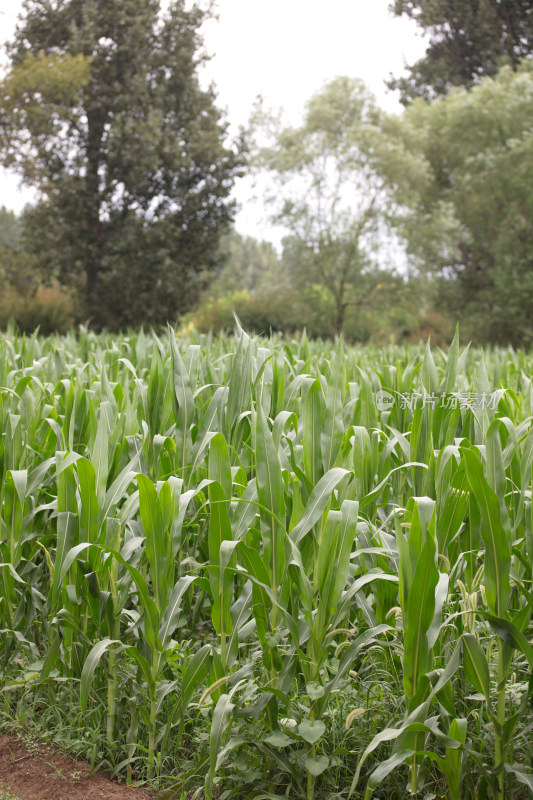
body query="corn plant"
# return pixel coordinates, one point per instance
(240, 533)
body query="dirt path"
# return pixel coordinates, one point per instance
(51, 775)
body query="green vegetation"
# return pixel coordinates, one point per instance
(397, 226)
(330, 193)
(102, 112)
(6, 794)
(267, 567)
(278, 567)
(468, 41)
(469, 218)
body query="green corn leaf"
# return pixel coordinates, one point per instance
(208, 426)
(13, 572)
(271, 492)
(88, 516)
(312, 419)
(429, 372)
(239, 388)
(51, 656)
(511, 635)
(476, 665)
(261, 603)
(495, 471)
(384, 769)
(219, 725)
(89, 668)
(184, 404)
(37, 475)
(332, 428)
(346, 662)
(240, 612)
(316, 505)
(118, 488)
(151, 615)
(172, 611)
(448, 383)
(418, 617)
(221, 580)
(158, 544)
(371, 496)
(66, 534)
(521, 775)
(195, 673)
(495, 536)
(219, 464)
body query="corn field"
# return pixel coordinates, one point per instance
(263, 568)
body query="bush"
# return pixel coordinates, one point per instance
(436, 326)
(51, 309)
(280, 308)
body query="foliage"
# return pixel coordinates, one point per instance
(469, 215)
(102, 111)
(49, 309)
(468, 41)
(10, 229)
(40, 104)
(393, 311)
(247, 265)
(23, 300)
(18, 271)
(330, 190)
(267, 310)
(271, 566)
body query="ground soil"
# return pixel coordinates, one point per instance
(45, 774)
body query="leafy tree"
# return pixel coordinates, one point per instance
(468, 40)
(470, 212)
(247, 264)
(331, 190)
(102, 111)
(10, 229)
(17, 267)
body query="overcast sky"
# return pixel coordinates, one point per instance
(284, 50)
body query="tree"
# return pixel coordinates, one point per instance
(247, 264)
(102, 111)
(17, 266)
(468, 40)
(470, 220)
(330, 190)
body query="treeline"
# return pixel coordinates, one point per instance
(397, 226)
(268, 292)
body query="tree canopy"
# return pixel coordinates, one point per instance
(331, 190)
(469, 215)
(102, 111)
(467, 41)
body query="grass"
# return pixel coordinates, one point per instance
(6, 794)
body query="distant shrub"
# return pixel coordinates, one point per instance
(277, 309)
(50, 308)
(389, 314)
(436, 326)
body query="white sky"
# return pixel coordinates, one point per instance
(284, 50)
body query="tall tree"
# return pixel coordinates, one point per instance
(469, 218)
(103, 112)
(247, 264)
(468, 39)
(17, 266)
(330, 192)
